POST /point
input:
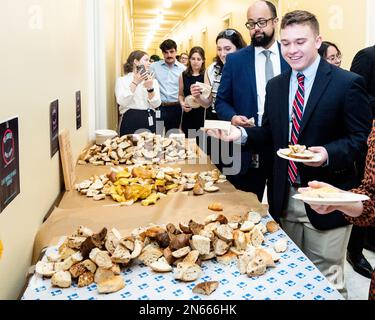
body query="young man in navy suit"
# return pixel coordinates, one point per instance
(242, 91)
(327, 109)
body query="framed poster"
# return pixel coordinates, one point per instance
(54, 126)
(9, 169)
(78, 110)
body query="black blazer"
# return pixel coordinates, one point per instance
(364, 64)
(337, 116)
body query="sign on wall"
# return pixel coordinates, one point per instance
(78, 110)
(54, 126)
(9, 169)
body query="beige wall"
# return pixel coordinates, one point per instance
(45, 56)
(126, 33)
(342, 22)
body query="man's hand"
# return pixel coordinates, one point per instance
(241, 121)
(234, 134)
(322, 152)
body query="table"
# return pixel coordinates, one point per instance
(293, 278)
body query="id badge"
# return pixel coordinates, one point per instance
(255, 161)
(157, 114)
(150, 121)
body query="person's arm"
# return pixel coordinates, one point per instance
(224, 97)
(367, 186)
(155, 100)
(124, 93)
(181, 96)
(358, 213)
(196, 93)
(364, 66)
(357, 120)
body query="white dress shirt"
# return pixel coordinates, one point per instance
(137, 100)
(309, 73)
(260, 62)
(168, 79)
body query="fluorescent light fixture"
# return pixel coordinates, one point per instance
(167, 4)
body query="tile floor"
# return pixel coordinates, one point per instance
(356, 284)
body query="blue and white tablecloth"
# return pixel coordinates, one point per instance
(294, 278)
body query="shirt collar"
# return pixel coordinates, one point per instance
(174, 65)
(274, 49)
(311, 70)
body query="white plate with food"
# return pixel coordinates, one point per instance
(298, 153)
(329, 196)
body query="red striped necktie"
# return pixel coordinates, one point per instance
(298, 104)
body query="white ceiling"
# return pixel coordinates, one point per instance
(144, 14)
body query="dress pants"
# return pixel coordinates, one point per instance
(325, 248)
(171, 116)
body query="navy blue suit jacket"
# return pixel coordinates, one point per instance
(237, 93)
(337, 116)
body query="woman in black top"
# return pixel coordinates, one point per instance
(227, 41)
(193, 114)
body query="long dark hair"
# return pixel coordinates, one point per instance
(200, 51)
(233, 36)
(324, 48)
(129, 64)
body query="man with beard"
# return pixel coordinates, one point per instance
(241, 92)
(167, 72)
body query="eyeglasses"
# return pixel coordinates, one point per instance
(261, 23)
(337, 57)
(227, 33)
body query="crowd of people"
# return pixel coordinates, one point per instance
(274, 93)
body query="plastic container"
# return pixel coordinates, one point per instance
(102, 135)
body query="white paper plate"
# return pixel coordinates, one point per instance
(316, 158)
(346, 198)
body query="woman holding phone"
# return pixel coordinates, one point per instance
(137, 94)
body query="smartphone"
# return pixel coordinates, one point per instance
(141, 68)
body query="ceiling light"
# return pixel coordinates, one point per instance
(167, 4)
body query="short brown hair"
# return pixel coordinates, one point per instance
(135, 55)
(300, 17)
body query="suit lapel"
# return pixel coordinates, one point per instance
(284, 106)
(322, 78)
(252, 80)
(252, 70)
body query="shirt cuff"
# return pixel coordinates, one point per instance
(243, 135)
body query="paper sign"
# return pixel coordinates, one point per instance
(78, 110)
(54, 126)
(9, 169)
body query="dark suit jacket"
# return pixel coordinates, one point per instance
(237, 93)
(364, 64)
(337, 116)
